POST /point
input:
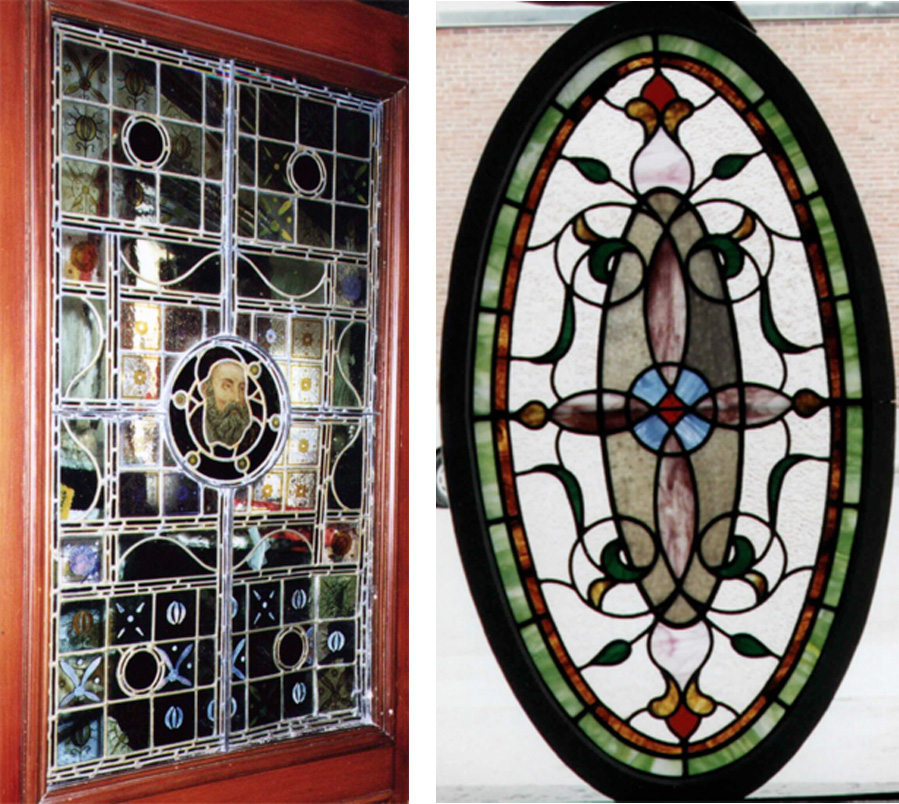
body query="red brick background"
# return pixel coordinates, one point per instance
(848, 67)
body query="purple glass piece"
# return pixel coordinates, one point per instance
(667, 305)
(676, 511)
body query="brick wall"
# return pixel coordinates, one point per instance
(848, 67)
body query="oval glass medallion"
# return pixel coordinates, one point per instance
(667, 408)
(228, 412)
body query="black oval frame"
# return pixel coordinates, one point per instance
(721, 30)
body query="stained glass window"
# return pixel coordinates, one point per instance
(669, 452)
(214, 240)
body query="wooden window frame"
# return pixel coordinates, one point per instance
(339, 42)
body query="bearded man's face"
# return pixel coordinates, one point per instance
(227, 415)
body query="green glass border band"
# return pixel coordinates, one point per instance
(483, 438)
(496, 258)
(852, 370)
(841, 556)
(533, 151)
(739, 747)
(483, 364)
(508, 571)
(838, 279)
(809, 658)
(784, 133)
(855, 431)
(703, 53)
(593, 69)
(630, 756)
(545, 665)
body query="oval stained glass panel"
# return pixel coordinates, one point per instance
(669, 446)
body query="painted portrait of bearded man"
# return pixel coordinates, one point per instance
(227, 414)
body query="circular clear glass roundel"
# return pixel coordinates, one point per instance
(228, 412)
(145, 141)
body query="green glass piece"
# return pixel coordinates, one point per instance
(809, 658)
(614, 567)
(776, 480)
(739, 747)
(592, 169)
(483, 364)
(744, 557)
(508, 570)
(748, 645)
(626, 754)
(783, 133)
(545, 665)
(615, 652)
(336, 596)
(496, 260)
(603, 254)
(769, 325)
(712, 57)
(841, 556)
(572, 488)
(566, 332)
(483, 436)
(852, 485)
(730, 165)
(852, 372)
(530, 156)
(583, 78)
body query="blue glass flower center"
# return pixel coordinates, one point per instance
(671, 411)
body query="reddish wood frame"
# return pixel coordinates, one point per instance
(339, 42)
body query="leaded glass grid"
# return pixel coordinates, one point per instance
(207, 211)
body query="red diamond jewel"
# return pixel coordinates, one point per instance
(671, 409)
(683, 722)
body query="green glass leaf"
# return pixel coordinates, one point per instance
(728, 250)
(572, 489)
(775, 482)
(744, 556)
(615, 652)
(566, 334)
(614, 567)
(592, 169)
(770, 328)
(748, 645)
(602, 254)
(729, 166)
